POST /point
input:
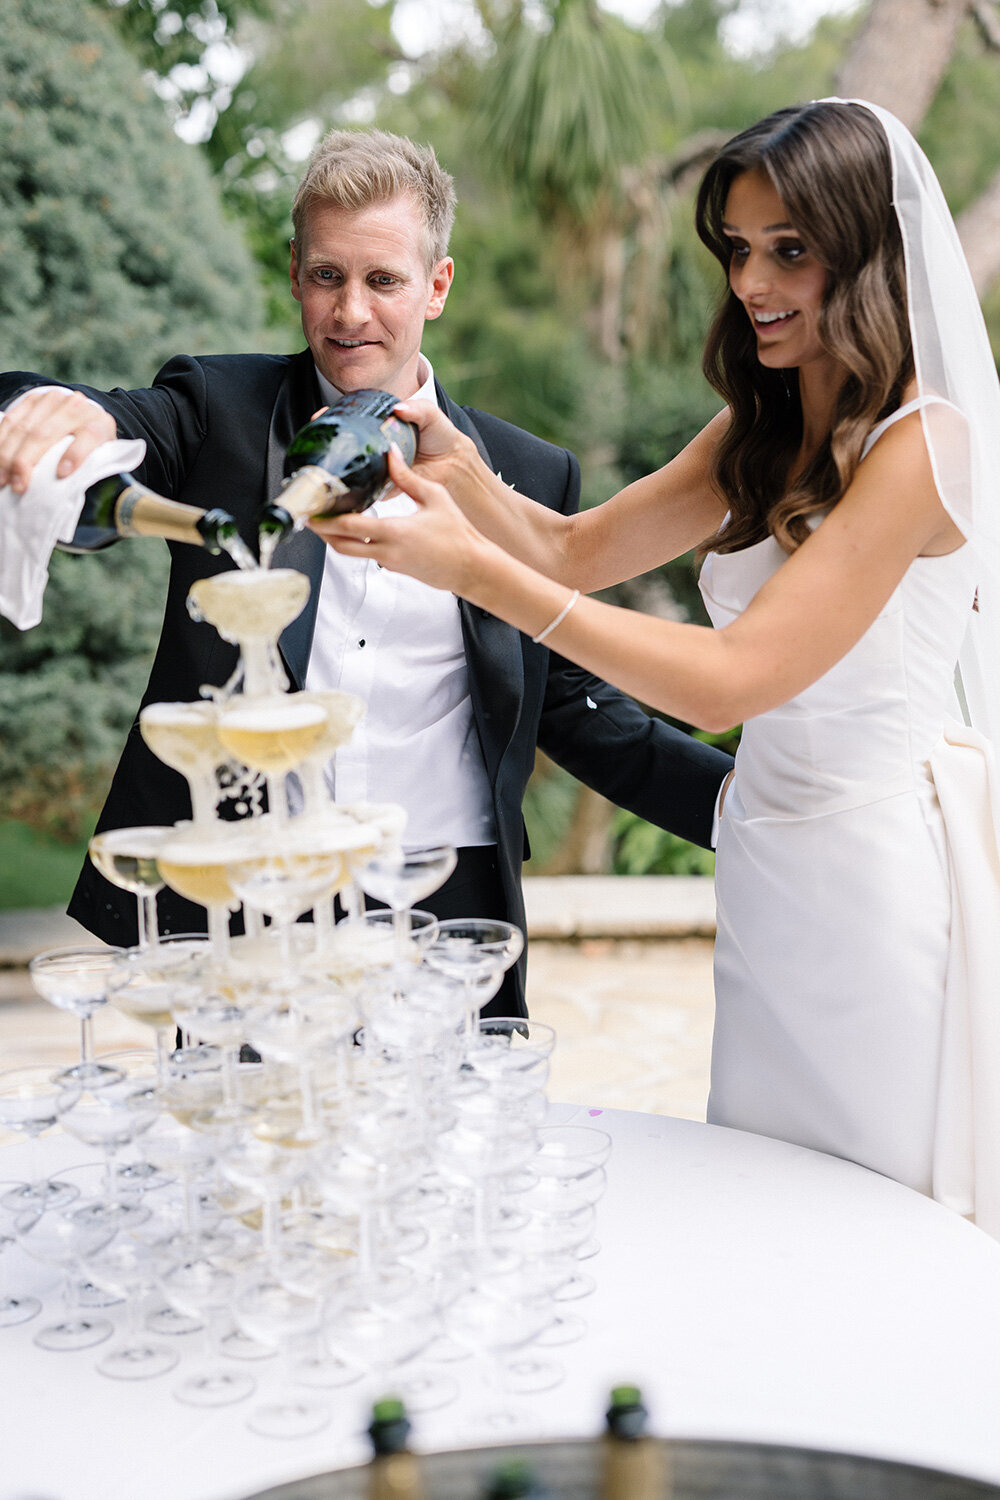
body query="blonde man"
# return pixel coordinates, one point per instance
(457, 700)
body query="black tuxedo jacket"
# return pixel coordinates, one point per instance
(216, 430)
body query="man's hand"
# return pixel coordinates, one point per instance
(36, 423)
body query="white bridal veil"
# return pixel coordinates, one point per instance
(953, 360)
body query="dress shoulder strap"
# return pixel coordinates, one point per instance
(897, 415)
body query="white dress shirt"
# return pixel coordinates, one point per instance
(398, 644)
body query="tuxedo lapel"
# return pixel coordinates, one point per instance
(298, 397)
(492, 647)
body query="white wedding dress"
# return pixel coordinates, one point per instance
(833, 883)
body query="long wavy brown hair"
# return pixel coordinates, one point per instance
(831, 167)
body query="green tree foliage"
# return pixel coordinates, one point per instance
(168, 34)
(114, 253)
(113, 248)
(568, 102)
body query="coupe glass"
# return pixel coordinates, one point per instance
(274, 1314)
(143, 982)
(76, 980)
(309, 1031)
(111, 1118)
(495, 1320)
(285, 873)
(201, 1289)
(273, 735)
(67, 1238)
(215, 1014)
(184, 737)
(127, 857)
(382, 1333)
(260, 1164)
(31, 1102)
(485, 1145)
(380, 923)
(129, 1268)
(252, 609)
(343, 711)
(193, 863)
(402, 877)
(569, 1165)
(478, 951)
(14, 1307)
(388, 821)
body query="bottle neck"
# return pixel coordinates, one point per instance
(395, 1476)
(141, 512)
(311, 492)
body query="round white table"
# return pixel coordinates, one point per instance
(754, 1290)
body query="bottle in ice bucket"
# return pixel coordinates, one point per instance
(394, 1472)
(340, 460)
(634, 1463)
(515, 1480)
(120, 506)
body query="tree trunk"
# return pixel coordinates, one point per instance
(900, 55)
(979, 231)
(586, 849)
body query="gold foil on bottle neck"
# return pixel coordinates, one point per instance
(138, 512)
(311, 492)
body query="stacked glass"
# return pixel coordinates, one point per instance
(343, 1166)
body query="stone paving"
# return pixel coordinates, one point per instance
(633, 1014)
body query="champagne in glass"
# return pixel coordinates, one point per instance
(343, 710)
(127, 857)
(193, 863)
(273, 735)
(288, 874)
(251, 609)
(184, 736)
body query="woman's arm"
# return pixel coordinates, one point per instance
(650, 522)
(806, 617)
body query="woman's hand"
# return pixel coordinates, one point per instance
(437, 545)
(442, 451)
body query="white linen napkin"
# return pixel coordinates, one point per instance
(47, 512)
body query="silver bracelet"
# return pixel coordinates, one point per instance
(539, 638)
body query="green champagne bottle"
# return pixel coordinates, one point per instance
(394, 1472)
(340, 460)
(120, 506)
(634, 1463)
(515, 1479)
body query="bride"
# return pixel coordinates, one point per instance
(842, 502)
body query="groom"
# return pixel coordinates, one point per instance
(456, 700)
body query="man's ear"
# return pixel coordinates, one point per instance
(441, 279)
(293, 271)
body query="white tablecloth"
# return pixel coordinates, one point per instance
(755, 1290)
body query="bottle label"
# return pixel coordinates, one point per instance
(403, 434)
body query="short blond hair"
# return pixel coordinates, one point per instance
(355, 169)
